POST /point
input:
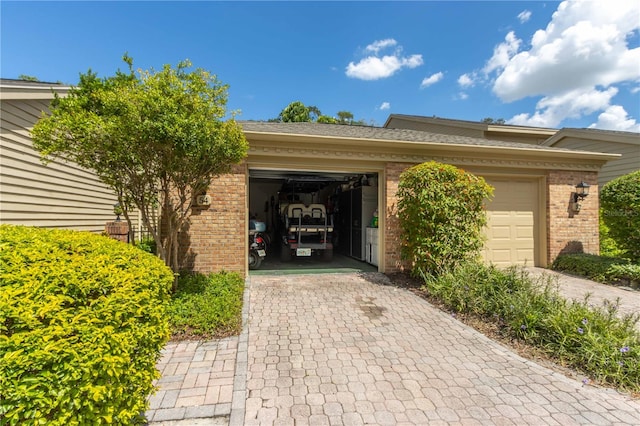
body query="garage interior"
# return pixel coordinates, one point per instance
(351, 206)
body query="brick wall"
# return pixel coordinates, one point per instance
(216, 238)
(569, 231)
(392, 246)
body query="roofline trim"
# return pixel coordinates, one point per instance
(604, 136)
(538, 152)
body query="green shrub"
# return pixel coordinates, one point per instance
(82, 323)
(586, 265)
(608, 246)
(620, 201)
(147, 244)
(207, 306)
(625, 273)
(598, 268)
(441, 212)
(592, 339)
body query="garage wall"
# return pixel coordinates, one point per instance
(392, 241)
(567, 231)
(217, 237)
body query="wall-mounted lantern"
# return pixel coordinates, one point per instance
(582, 190)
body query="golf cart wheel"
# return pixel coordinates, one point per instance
(327, 255)
(254, 260)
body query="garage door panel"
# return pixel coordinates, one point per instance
(524, 232)
(524, 256)
(501, 232)
(500, 256)
(511, 218)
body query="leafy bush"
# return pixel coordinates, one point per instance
(82, 323)
(592, 339)
(598, 268)
(208, 306)
(620, 200)
(148, 244)
(608, 246)
(441, 211)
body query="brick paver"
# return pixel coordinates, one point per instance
(197, 381)
(347, 349)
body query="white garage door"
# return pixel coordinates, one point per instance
(511, 223)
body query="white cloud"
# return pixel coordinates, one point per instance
(616, 118)
(384, 106)
(552, 110)
(462, 96)
(583, 45)
(374, 67)
(466, 80)
(503, 53)
(432, 79)
(524, 16)
(378, 45)
(575, 64)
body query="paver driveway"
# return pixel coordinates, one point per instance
(347, 349)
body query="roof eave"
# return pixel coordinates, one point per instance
(630, 138)
(361, 144)
(15, 92)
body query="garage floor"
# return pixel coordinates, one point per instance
(340, 263)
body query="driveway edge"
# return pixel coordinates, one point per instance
(242, 363)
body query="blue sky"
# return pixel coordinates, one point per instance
(547, 64)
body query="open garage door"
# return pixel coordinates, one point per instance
(512, 221)
(315, 220)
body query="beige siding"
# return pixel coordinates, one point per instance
(58, 195)
(629, 162)
(399, 123)
(531, 139)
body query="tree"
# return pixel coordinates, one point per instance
(314, 113)
(490, 120)
(620, 202)
(326, 119)
(155, 138)
(295, 112)
(26, 77)
(345, 117)
(298, 112)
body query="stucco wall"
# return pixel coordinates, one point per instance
(569, 231)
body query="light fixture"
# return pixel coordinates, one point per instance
(582, 190)
(117, 210)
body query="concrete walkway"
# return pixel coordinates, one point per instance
(350, 349)
(576, 288)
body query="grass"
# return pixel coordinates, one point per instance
(590, 339)
(207, 306)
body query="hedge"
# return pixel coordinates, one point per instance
(620, 202)
(82, 322)
(599, 268)
(442, 215)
